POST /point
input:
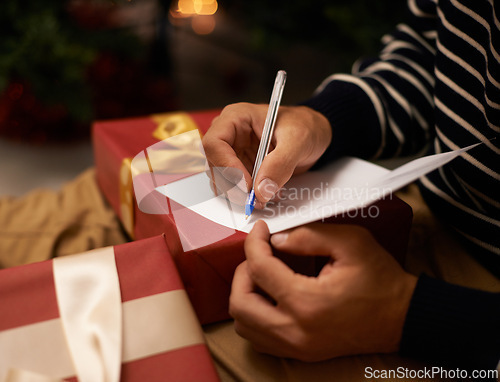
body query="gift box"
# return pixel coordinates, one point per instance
(116, 313)
(206, 261)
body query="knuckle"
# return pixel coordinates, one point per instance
(234, 108)
(228, 109)
(209, 142)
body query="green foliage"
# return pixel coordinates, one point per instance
(43, 45)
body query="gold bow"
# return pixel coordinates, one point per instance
(168, 125)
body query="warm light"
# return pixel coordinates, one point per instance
(187, 8)
(203, 24)
(199, 11)
(205, 7)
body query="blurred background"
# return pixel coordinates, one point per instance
(67, 63)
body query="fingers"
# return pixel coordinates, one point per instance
(301, 136)
(246, 304)
(266, 270)
(220, 154)
(255, 317)
(231, 138)
(334, 240)
(276, 169)
(291, 146)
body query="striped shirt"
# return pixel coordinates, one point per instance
(435, 82)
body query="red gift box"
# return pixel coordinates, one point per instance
(162, 339)
(206, 270)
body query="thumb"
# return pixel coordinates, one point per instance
(333, 240)
(276, 169)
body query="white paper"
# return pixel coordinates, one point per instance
(344, 186)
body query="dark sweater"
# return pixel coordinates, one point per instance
(436, 82)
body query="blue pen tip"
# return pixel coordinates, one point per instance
(250, 204)
(248, 209)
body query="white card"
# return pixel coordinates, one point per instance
(346, 185)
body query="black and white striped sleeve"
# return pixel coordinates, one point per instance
(385, 108)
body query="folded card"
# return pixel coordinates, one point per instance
(345, 185)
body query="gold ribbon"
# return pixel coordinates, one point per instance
(168, 125)
(127, 197)
(172, 124)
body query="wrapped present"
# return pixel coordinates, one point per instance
(127, 150)
(113, 314)
(117, 142)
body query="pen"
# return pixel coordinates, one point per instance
(267, 134)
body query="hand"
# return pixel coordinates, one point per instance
(301, 135)
(356, 305)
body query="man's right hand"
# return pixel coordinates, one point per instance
(301, 136)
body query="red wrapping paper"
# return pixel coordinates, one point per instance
(28, 296)
(207, 272)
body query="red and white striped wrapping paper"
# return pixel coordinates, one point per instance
(162, 339)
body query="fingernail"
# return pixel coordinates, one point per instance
(279, 238)
(268, 189)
